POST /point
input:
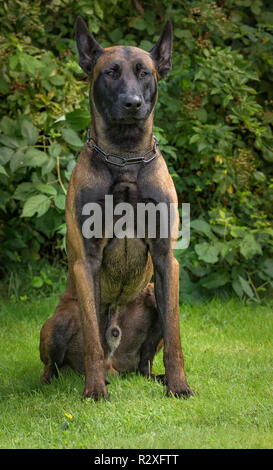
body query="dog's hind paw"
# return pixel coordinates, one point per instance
(162, 379)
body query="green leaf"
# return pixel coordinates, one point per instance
(98, 9)
(29, 132)
(59, 201)
(7, 125)
(78, 119)
(246, 287)
(203, 227)
(202, 146)
(207, 252)
(199, 270)
(69, 169)
(249, 247)
(57, 80)
(3, 171)
(195, 138)
(13, 62)
(5, 155)
(219, 229)
(199, 75)
(48, 166)
(45, 84)
(29, 64)
(146, 45)
(72, 138)
(10, 141)
(226, 100)
(267, 267)
(17, 160)
(115, 35)
(170, 150)
(236, 285)
(202, 115)
(4, 199)
(237, 231)
(4, 85)
(267, 17)
(34, 157)
(62, 229)
(23, 191)
(267, 154)
(37, 282)
(215, 91)
(214, 280)
(182, 33)
(39, 204)
(259, 176)
(187, 285)
(55, 149)
(139, 24)
(47, 189)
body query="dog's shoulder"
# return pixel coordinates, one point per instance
(156, 182)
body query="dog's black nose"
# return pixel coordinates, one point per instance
(115, 332)
(132, 102)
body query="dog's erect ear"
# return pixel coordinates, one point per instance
(89, 49)
(161, 53)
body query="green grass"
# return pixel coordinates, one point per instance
(228, 358)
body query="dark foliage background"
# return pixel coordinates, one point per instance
(213, 121)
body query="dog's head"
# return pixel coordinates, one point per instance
(123, 78)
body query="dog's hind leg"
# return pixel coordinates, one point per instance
(55, 337)
(154, 339)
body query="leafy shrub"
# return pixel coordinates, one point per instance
(217, 144)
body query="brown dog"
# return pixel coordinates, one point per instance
(107, 273)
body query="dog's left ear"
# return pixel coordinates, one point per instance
(89, 49)
(161, 53)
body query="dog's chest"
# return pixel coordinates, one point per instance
(125, 189)
(125, 264)
(125, 256)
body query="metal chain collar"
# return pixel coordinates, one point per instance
(121, 159)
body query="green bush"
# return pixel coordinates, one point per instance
(213, 121)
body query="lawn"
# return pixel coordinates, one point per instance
(228, 359)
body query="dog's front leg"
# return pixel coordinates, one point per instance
(86, 281)
(166, 270)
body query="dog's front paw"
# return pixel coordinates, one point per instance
(179, 389)
(96, 391)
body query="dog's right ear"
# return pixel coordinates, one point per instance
(89, 49)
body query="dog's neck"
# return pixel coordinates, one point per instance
(123, 139)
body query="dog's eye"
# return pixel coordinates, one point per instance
(113, 72)
(142, 74)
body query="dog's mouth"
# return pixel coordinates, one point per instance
(133, 116)
(130, 117)
(128, 120)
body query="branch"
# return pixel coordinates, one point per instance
(139, 7)
(59, 175)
